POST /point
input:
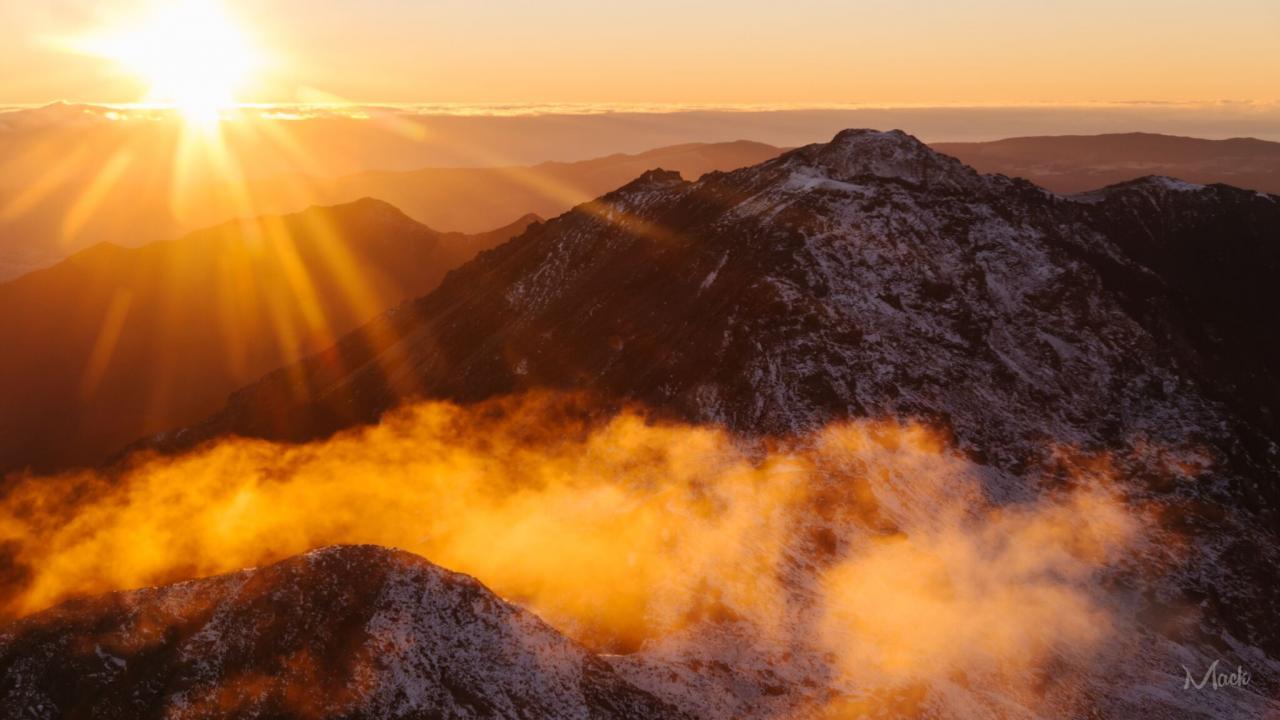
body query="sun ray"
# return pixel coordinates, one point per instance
(104, 346)
(94, 194)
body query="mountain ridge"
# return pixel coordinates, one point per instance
(1078, 163)
(35, 232)
(954, 179)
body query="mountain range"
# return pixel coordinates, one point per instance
(472, 199)
(110, 192)
(875, 277)
(867, 276)
(114, 344)
(119, 184)
(1122, 332)
(1075, 163)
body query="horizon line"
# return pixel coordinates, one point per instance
(590, 108)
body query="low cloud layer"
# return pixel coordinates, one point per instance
(870, 545)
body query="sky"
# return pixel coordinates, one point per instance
(713, 52)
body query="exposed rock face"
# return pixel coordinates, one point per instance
(344, 632)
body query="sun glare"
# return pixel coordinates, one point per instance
(191, 54)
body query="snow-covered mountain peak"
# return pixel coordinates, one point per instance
(860, 154)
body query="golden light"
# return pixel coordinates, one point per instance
(192, 55)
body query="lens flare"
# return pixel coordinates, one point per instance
(192, 55)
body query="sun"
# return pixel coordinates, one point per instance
(191, 54)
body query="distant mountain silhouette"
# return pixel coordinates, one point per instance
(114, 343)
(65, 203)
(1074, 163)
(55, 204)
(471, 199)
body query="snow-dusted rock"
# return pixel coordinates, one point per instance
(342, 632)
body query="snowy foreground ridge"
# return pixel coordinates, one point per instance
(348, 631)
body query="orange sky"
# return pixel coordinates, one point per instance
(710, 52)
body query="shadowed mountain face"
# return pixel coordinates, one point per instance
(1075, 163)
(114, 343)
(345, 632)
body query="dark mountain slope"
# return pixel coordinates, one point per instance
(1196, 267)
(345, 632)
(115, 343)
